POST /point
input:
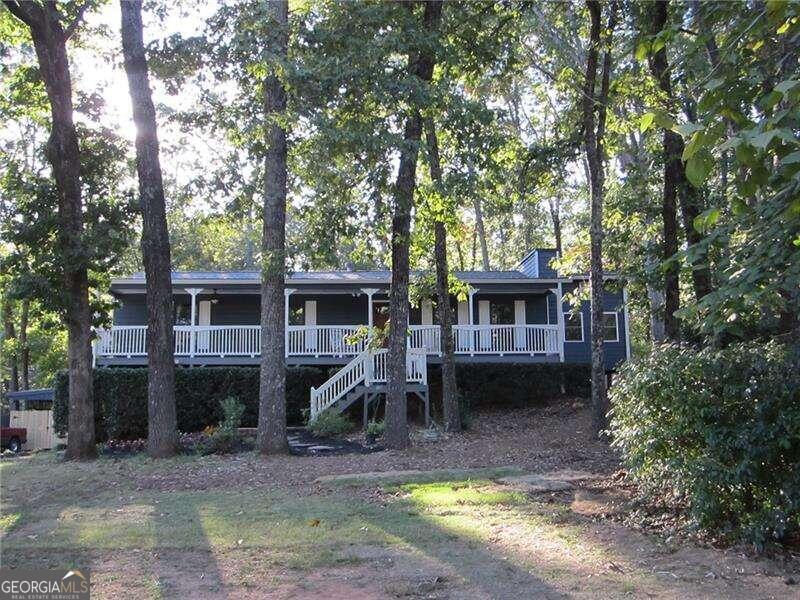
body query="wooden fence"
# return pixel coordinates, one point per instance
(39, 424)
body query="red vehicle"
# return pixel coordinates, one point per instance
(13, 438)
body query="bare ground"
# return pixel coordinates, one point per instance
(451, 540)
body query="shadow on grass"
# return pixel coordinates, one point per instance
(194, 543)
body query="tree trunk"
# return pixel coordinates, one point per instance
(555, 215)
(272, 387)
(50, 43)
(452, 415)
(421, 64)
(481, 233)
(687, 195)
(162, 438)
(673, 176)
(9, 334)
(593, 131)
(24, 350)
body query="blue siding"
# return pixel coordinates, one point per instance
(334, 309)
(544, 256)
(537, 263)
(535, 309)
(580, 352)
(235, 310)
(552, 311)
(132, 310)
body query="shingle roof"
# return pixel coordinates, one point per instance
(333, 276)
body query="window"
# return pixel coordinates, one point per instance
(573, 327)
(183, 313)
(610, 327)
(501, 313)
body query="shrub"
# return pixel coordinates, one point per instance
(330, 423)
(120, 397)
(226, 437)
(518, 385)
(717, 432)
(376, 428)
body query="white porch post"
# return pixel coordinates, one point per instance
(559, 292)
(472, 292)
(192, 334)
(286, 293)
(369, 292)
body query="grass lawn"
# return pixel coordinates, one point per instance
(143, 534)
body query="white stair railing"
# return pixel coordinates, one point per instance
(340, 384)
(369, 367)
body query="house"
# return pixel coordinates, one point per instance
(509, 316)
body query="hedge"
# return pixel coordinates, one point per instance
(516, 385)
(120, 398)
(120, 394)
(717, 432)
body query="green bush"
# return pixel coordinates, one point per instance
(716, 432)
(375, 428)
(226, 438)
(120, 398)
(330, 423)
(518, 385)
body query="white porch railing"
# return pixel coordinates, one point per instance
(427, 337)
(122, 340)
(506, 339)
(416, 366)
(218, 340)
(328, 340)
(322, 340)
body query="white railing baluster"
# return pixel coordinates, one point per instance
(331, 340)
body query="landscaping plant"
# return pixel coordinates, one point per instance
(717, 433)
(330, 424)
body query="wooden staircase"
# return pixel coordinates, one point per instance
(365, 377)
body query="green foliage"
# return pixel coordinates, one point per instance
(330, 423)
(518, 385)
(716, 431)
(375, 428)
(226, 438)
(120, 397)
(423, 287)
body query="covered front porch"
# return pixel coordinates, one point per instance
(213, 327)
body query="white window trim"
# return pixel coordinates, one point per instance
(616, 326)
(568, 314)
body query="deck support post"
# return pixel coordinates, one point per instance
(286, 293)
(192, 333)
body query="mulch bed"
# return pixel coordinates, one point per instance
(303, 443)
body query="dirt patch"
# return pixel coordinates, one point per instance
(536, 440)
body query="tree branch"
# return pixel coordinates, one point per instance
(29, 13)
(70, 29)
